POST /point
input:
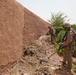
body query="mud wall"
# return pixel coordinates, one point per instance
(11, 24)
(34, 27)
(19, 27)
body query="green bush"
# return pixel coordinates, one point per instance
(59, 50)
(74, 50)
(60, 36)
(74, 26)
(74, 69)
(57, 19)
(74, 62)
(74, 66)
(58, 29)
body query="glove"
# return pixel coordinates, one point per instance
(61, 45)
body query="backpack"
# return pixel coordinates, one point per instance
(74, 36)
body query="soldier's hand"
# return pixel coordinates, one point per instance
(61, 45)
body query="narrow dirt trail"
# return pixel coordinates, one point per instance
(30, 64)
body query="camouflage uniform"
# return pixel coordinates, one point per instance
(52, 33)
(67, 44)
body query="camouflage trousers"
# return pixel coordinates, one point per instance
(53, 39)
(67, 56)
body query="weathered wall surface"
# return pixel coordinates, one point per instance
(18, 28)
(11, 24)
(34, 27)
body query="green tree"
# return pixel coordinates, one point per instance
(57, 19)
(73, 26)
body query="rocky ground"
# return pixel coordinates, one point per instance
(30, 63)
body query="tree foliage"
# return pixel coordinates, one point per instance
(57, 19)
(74, 48)
(73, 26)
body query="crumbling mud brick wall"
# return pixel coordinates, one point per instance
(19, 27)
(11, 25)
(34, 27)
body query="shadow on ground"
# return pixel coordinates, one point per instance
(63, 71)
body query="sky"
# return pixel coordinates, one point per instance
(44, 8)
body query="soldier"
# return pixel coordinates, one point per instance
(52, 33)
(67, 45)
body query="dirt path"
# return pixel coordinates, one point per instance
(30, 63)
